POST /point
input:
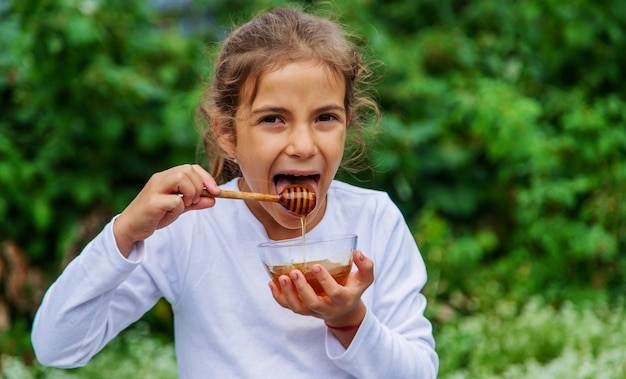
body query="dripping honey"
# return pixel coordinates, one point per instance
(303, 226)
(338, 271)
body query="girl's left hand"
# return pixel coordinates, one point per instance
(342, 307)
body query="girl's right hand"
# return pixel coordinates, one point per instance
(166, 196)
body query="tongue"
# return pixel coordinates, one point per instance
(285, 180)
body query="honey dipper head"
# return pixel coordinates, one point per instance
(298, 198)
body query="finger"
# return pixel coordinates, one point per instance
(278, 294)
(292, 297)
(307, 294)
(365, 266)
(326, 280)
(185, 182)
(169, 204)
(203, 202)
(188, 183)
(171, 207)
(208, 181)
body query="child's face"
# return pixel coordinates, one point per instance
(293, 131)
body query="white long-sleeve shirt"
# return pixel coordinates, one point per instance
(227, 324)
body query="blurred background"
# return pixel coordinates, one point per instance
(503, 141)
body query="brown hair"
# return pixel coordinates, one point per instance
(269, 41)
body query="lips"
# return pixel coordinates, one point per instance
(285, 179)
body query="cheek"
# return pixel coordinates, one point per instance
(255, 161)
(333, 148)
(253, 169)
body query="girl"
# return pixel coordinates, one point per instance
(284, 93)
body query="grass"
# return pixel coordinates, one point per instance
(534, 341)
(134, 354)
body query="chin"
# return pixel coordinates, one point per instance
(290, 221)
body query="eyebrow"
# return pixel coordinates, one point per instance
(332, 107)
(325, 108)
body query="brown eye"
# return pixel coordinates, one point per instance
(271, 119)
(326, 117)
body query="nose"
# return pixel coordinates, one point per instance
(302, 143)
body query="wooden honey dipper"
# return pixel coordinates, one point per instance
(297, 198)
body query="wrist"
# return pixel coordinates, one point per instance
(343, 328)
(350, 321)
(124, 243)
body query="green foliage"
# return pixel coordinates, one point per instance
(95, 98)
(534, 341)
(503, 141)
(134, 354)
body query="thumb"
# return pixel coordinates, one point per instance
(365, 266)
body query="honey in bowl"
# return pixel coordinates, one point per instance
(338, 271)
(334, 253)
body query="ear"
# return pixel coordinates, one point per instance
(348, 117)
(224, 132)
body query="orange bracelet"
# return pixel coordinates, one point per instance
(343, 328)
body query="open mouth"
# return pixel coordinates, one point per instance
(283, 180)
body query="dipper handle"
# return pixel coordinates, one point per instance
(225, 194)
(297, 198)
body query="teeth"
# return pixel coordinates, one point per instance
(294, 178)
(281, 181)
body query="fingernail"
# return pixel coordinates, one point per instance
(294, 276)
(317, 269)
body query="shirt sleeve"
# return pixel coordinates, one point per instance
(395, 339)
(98, 294)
